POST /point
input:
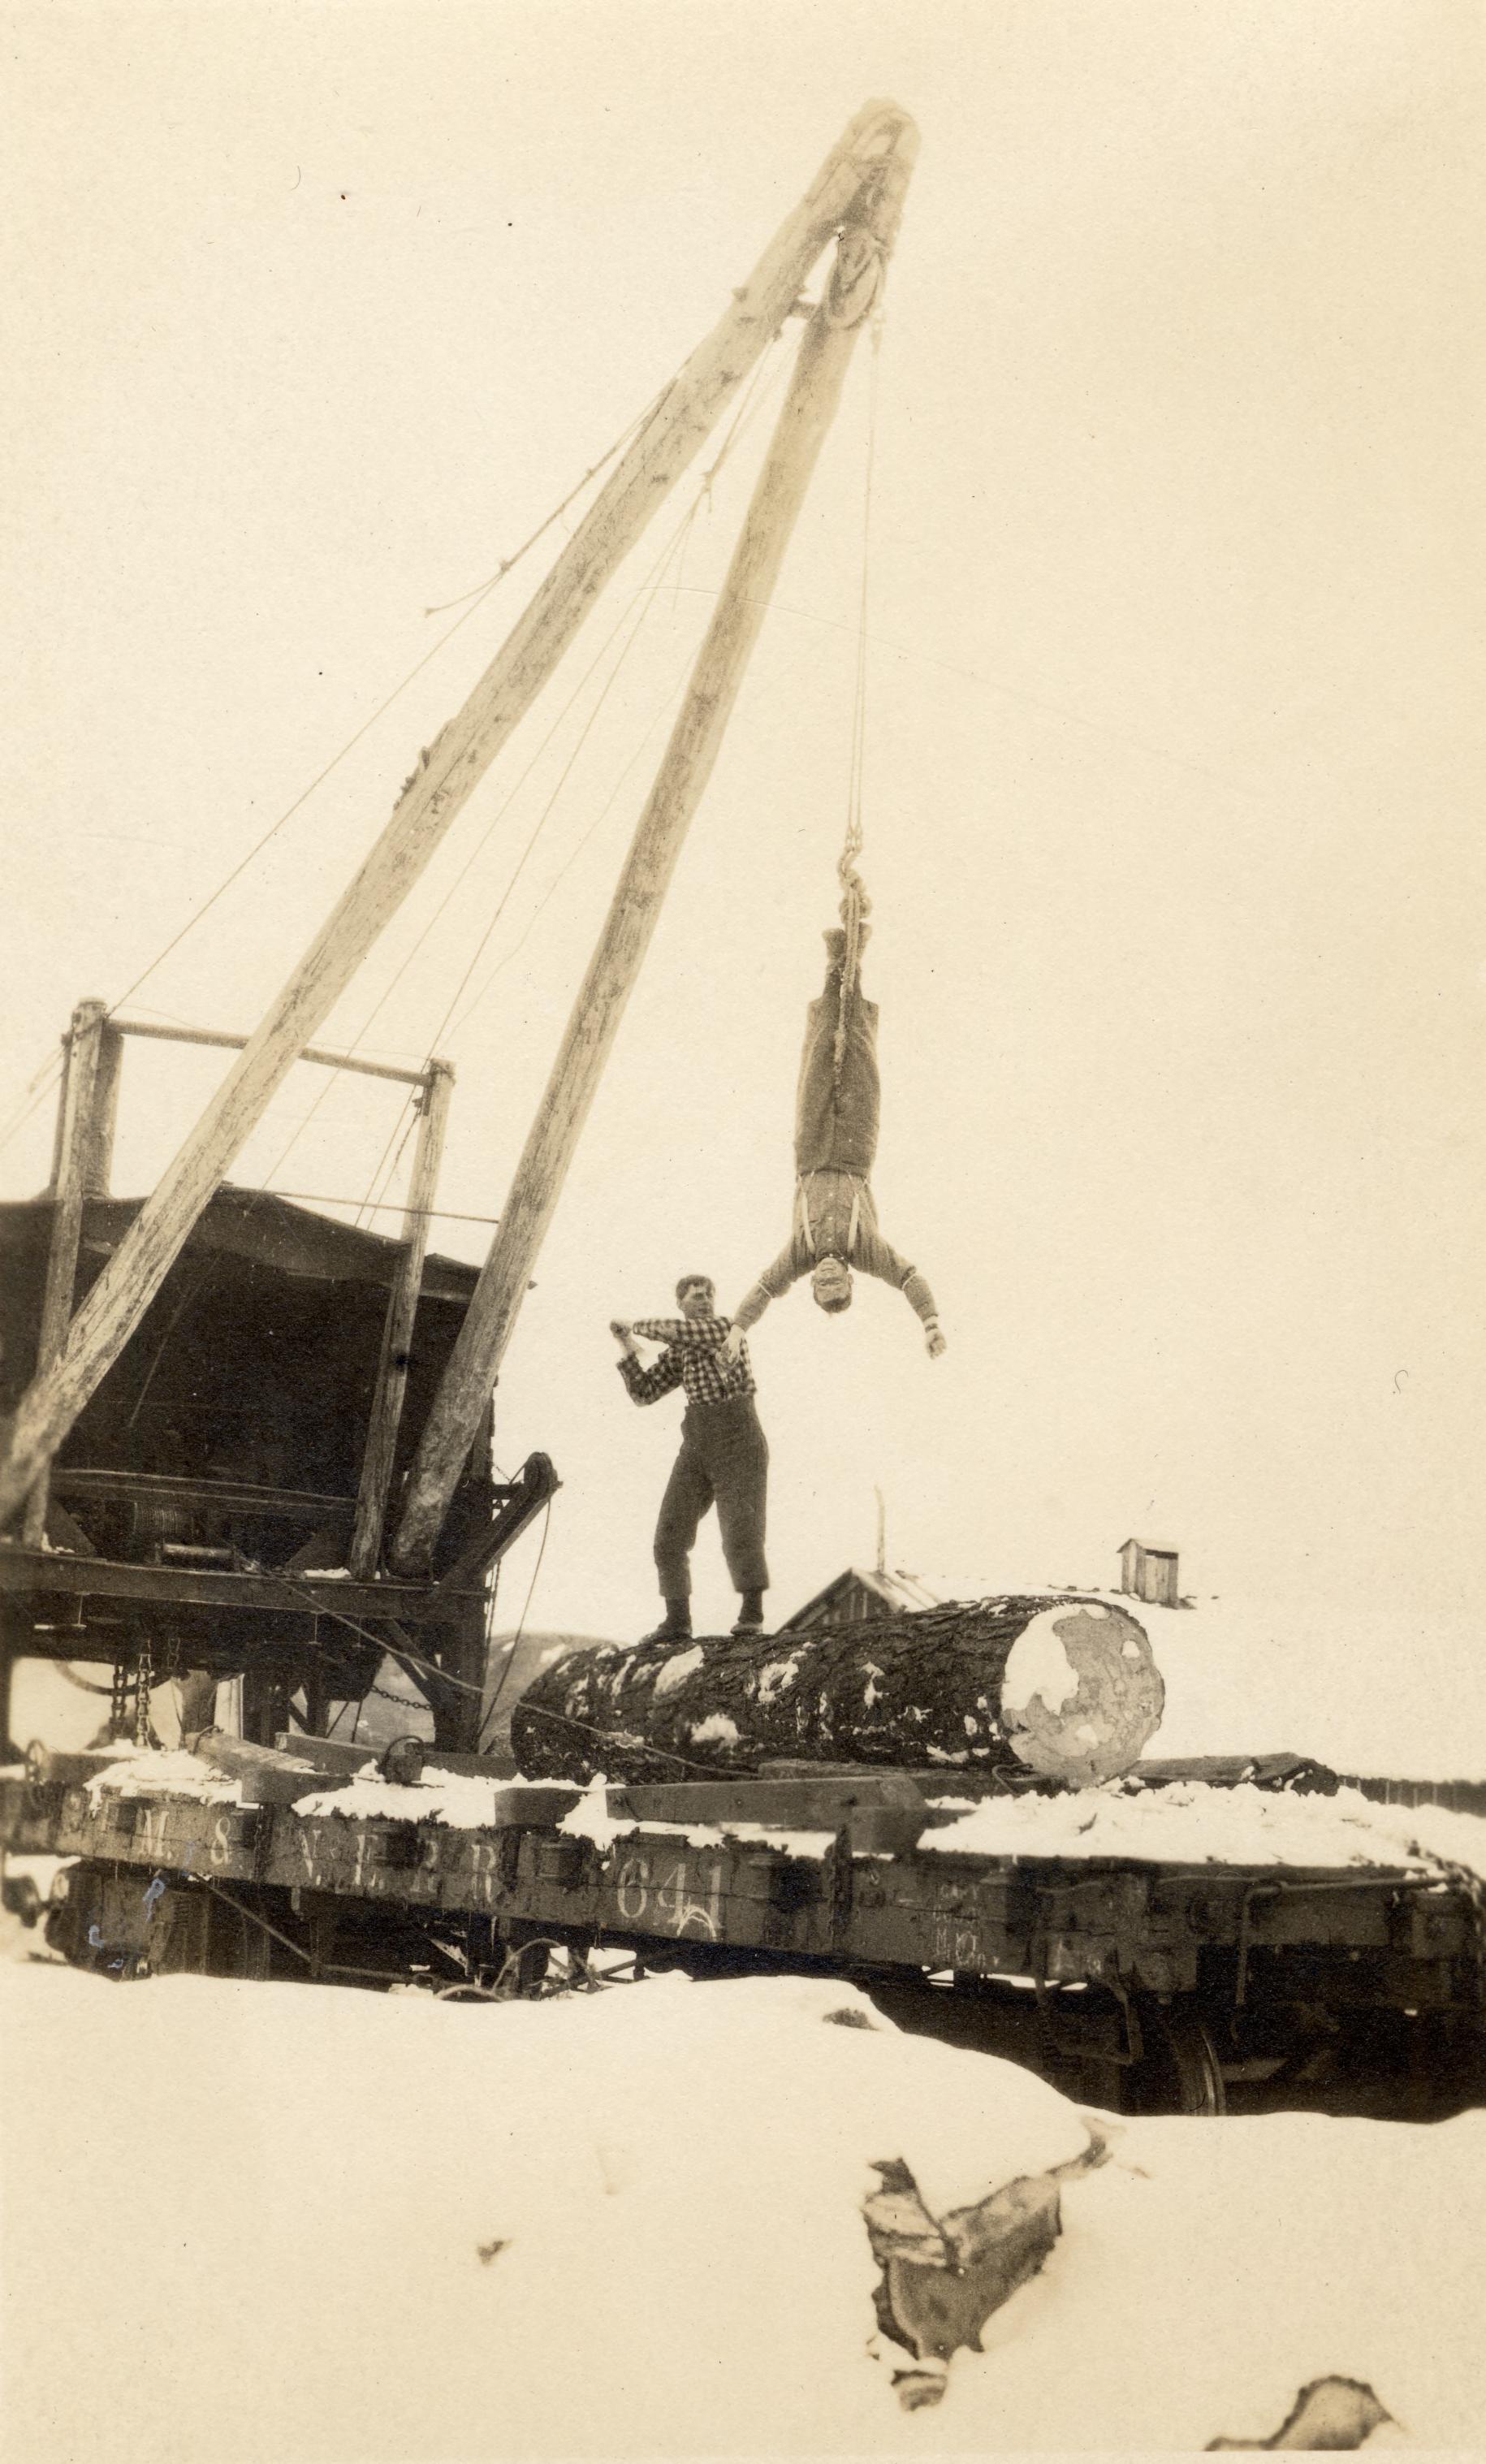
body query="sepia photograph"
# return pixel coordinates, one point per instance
(742, 1219)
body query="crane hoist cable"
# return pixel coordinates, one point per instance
(854, 905)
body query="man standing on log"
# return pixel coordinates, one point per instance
(723, 1458)
(836, 1115)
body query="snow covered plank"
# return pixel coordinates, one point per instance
(186, 1835)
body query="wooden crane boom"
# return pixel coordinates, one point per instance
(819, 372)
(855, 173)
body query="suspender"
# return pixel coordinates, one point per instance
(807, 1228)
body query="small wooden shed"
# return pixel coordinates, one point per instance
(861, 1593)
(1148, 1572)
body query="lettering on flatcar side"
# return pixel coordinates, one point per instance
(685, 1898)
(956, 1944)
(1066, 1957)
(681, 1910)
(630, 1895)
(482, 1870)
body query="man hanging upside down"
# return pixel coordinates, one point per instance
(836, 1115)
(723, 1458)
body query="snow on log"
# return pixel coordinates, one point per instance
(1066, 1688)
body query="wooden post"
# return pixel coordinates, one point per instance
(819, 372)
(448, 771)
(76, 1147)
(397, 1334)
(98, 1148)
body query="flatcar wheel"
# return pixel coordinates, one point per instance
(1179, 2070)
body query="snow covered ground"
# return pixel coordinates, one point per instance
(273, 2222)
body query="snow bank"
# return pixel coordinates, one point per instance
(1191, 1824)
(277, 2223)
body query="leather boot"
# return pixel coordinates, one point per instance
(675, 1625)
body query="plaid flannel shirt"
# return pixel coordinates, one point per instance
(693, 1359)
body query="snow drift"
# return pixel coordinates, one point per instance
(266, 2222)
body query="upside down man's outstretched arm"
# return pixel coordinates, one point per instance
(836, 1114)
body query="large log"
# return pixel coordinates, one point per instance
(1065, 1687)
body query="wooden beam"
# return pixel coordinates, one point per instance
(222, 1041)
(96, 1160)
(447, 772)
(76, 1144)
(397, 1332)
(819, 372)
(224, 1497)
(535, 1486)
(46, 1575)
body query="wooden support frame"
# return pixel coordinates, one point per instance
(397, 1334)
(82, 1152)
(534, 1486)
(37, 1576)
(82, 1159)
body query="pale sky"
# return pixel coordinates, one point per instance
(313, 314)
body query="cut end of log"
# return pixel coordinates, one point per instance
(1081, 1695)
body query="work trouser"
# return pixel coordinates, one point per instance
(724, 1462)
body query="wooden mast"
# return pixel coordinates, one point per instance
(90, 1086)
(448, 769)
(397, 1333)
(819, 372)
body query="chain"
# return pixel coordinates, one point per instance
(144, 1687)
(119, 1706)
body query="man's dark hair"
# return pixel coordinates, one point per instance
(686, 1282)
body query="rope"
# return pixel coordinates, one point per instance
(614, 1737)
(383, 1206)
(40, 1085)
(476, 599)
(400, 1652)
(384, 1168)
(85, 1685)
(515, 1640)
(747, 413)
(856, 906)
(643, 598)
(33, 1097)
(36, 1093)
